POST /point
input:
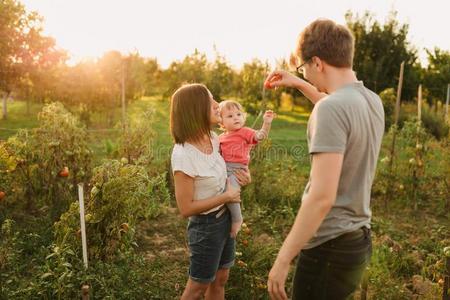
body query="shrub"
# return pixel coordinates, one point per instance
(120, 195)
(44, 165)
(435, 124)
(135, 141)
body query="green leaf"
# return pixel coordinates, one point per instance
(45, 275)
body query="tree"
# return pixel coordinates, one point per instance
(23, 48)
(437, 74)
(252, 78)
(192, 69)
(379, 51)
(220, 78)
(153, 77)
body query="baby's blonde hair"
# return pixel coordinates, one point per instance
(228, 104)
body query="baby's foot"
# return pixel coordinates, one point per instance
(235, 227)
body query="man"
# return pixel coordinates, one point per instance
(332, 228)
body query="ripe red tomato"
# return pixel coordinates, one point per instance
(64, 172)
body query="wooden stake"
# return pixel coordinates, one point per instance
(399, 93)
(419, 103)
(83, 226)
(85, 292)
(397, 113)
(446, 102)
(418, 170)
(124, 113)
(5, 106)
(394, 133)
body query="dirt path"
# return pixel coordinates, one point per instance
(162, 242)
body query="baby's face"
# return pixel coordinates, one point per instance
(232, 118)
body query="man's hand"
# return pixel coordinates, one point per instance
(277, 280)
(281, 78)
(285, 79)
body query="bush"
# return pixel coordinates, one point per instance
(435, 124)
(135, 141)
(389, 97)
(43, 166)
(277, 178)
(418, 175)
(120, 195)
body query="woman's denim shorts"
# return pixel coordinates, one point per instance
(210, 244)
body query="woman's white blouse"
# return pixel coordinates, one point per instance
(208, 170)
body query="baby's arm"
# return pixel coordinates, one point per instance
(264, 131)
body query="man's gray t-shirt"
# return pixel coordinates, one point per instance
(349, 121)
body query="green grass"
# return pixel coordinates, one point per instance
(18, 118)
(287, 134)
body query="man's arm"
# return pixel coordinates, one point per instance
(283, 78)
(309, 90)
(325, 173)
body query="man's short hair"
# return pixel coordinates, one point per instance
(327, 40)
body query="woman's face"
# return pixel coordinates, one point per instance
(214, 116)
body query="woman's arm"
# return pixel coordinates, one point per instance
(184, 194)
(286, 79)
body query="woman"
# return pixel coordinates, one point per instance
(202, 190)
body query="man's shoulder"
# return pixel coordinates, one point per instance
(352, 95)
(331, 103)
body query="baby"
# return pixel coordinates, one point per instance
(235, 145)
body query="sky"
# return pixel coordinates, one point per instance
(240, 30)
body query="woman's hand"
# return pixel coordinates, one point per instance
(243, 176)
(232, 194)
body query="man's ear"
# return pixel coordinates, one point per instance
(318, 63)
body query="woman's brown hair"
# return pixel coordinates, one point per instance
(190, 109)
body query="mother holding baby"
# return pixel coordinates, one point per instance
(202, 190)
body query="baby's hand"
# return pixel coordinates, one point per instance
(269, 116)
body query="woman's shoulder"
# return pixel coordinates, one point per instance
(215, 139)
(179, 150)
(181, 160)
